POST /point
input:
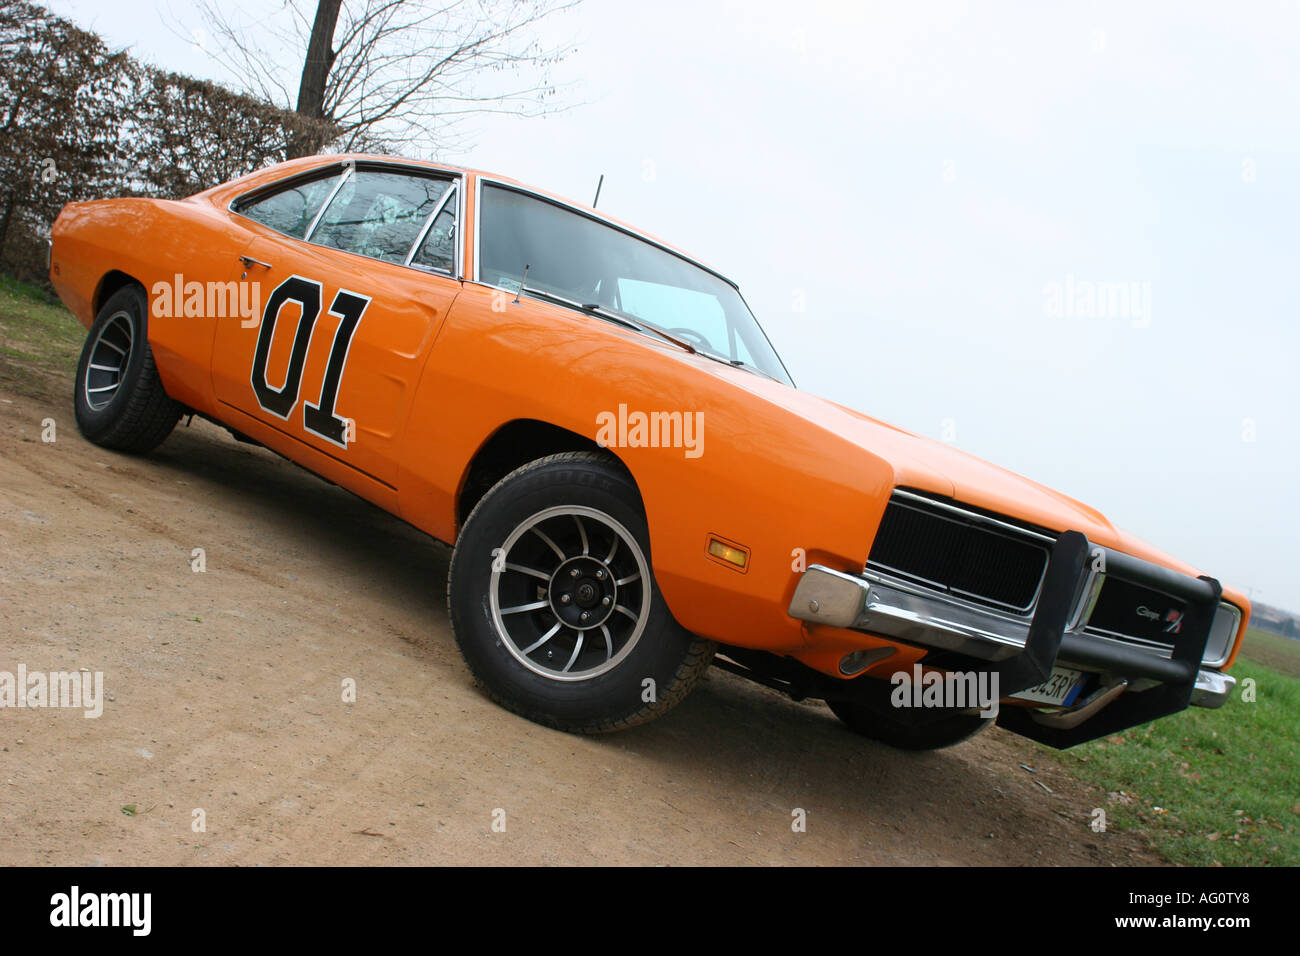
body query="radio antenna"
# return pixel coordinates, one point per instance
(527, 266)
(598, 185)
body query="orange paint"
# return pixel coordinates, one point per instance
(438, 365)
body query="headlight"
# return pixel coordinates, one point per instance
(1222, 632)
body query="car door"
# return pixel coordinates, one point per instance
(350, 308)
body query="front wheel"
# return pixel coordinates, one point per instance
(553, 602)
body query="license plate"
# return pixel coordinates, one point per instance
(1061, 688)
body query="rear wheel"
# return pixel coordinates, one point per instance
(119, 399)
(872, 715)
(553, 603)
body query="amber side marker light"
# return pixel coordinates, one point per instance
(728, 553)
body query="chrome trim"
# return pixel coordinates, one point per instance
(428, 224)
(855, 662)
(1079, 624)
(1128, 640)
(97, 359)
(1232, 640)
(1069, 719)
(941, 588)
(461, 228)
(1212, 688)
(825, 596)
(481, 178)
(1086, 604)
(924, 505)
(629, 544)
(910, 586)
(311, 230)
(1091, 592)
(974, 516)
(455, 175)
(888, 609)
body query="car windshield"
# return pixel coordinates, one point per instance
(591, 263)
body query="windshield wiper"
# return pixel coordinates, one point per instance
(741, 363)
(616, 317)
(620, 319)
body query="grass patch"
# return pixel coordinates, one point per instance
(1212, 787)
(1272, 650)
(39, 340)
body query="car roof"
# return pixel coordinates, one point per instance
(306, 163)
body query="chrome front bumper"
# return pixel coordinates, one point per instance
(913, 615)
(867, 603)
(1212, 688)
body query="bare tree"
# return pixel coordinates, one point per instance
(320, 57)
(390, 73)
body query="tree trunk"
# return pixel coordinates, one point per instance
(10, 203)
(315, 73)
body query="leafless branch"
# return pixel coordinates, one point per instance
(405, 73)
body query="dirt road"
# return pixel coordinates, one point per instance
(224, 695)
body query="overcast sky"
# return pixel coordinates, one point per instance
(918, 197)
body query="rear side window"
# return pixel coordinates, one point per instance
(292, 210)
(379, 214)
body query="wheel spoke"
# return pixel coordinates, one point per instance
(523, 570)
(542, 534)
(542, 640)
(575, 598)
(577, 649)
(519, 609)
(109, 359)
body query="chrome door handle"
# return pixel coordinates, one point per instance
(249, 262)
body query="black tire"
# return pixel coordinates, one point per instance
(872, 715)
(617, 655)
(126, 410)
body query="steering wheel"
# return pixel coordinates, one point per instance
(692, 336)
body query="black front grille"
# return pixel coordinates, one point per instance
(1133, 611)
(959, 555)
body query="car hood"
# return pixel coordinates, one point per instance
(928, 465)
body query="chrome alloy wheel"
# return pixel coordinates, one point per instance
(570, 593)
(109, 358)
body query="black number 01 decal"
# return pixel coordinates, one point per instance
(319, 419)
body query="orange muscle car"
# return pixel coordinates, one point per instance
(633, 485)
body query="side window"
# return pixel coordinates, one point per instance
(379, 214)
(438, 251)
(292, 211)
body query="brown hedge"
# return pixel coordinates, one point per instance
(80, 121)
